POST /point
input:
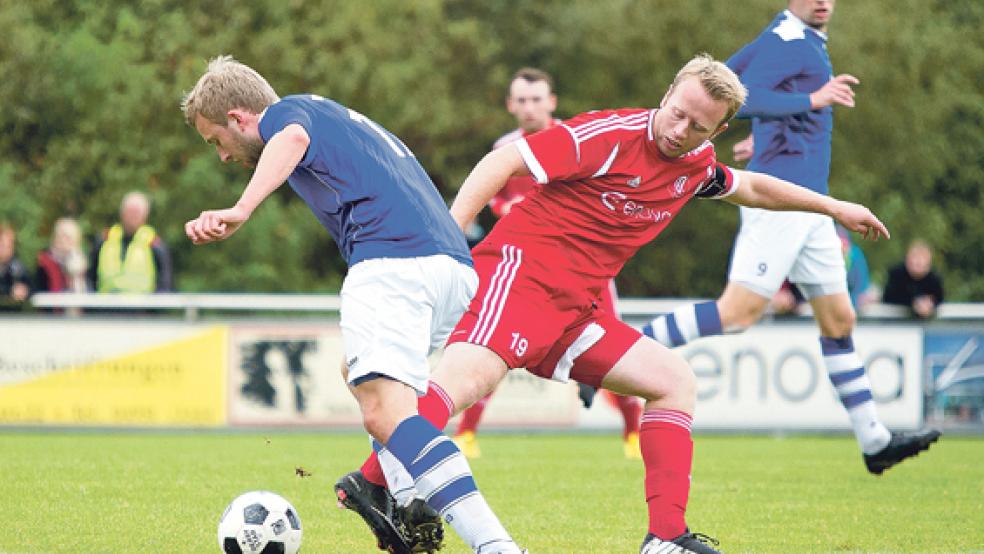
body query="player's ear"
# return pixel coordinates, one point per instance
(553, 102)
(238, 116)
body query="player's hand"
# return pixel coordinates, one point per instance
(214, 225)
(857, 218)
(837, 91)
(743, 150)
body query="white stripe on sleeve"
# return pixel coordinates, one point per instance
(532, 163)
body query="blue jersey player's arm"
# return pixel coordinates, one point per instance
(762, 66)
(282, 153)
(280, 157)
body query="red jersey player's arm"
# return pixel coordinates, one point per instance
(486, 179)
(758, 190)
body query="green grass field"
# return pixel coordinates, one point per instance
(160, 493)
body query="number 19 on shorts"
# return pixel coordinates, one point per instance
(519, 344)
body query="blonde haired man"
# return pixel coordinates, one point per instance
(618, 177)
(410, 276)
(531, 100)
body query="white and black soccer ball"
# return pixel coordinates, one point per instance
(260, 522)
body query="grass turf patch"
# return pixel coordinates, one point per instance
(556, 493)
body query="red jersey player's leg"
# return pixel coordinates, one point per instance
(607, 353)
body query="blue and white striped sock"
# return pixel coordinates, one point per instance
(685, 324)
(398, 481)
(848, 377)
(443, 477)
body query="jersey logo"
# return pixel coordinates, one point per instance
(679, 186)
(634, 182)
(621, 204)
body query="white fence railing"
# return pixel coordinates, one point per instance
(769, 377)
(193, 303)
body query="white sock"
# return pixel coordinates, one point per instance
(848, 377)
(398, 481)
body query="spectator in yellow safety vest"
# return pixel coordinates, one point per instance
(131, 257)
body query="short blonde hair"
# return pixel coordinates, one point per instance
(718, 81)
(226, 85)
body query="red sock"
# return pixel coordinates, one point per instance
(471, 416)
(667, 452)
(436, 407)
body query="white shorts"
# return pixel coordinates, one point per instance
(773, 246)
(396, 311)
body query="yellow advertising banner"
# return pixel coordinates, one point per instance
(171, 381)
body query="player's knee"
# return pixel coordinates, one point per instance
(736, 319)
(678, 386)
(840, 324)
(685, 386)
(377, 422)
(737, 315)
(847, 321)
(379, 417)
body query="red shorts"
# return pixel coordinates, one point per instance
(536, 318)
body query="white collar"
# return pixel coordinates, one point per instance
(792, 19)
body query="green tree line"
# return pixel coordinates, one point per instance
(89, 100)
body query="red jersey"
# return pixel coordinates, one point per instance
(516, 188)
(607, 191)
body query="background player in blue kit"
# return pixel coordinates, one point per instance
(410, 273)
(791, 93)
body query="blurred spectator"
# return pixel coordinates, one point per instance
(131, 256)
(62, 266)
(14, 288)
(788, 298)
(858, 277)
(913, 283)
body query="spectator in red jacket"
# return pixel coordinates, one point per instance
(62, 266)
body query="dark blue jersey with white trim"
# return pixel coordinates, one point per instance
(781, 68)
(364, 185)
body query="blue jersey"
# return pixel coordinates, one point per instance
(364, 185)
(780, 68)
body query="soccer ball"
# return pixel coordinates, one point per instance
(260, 522)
